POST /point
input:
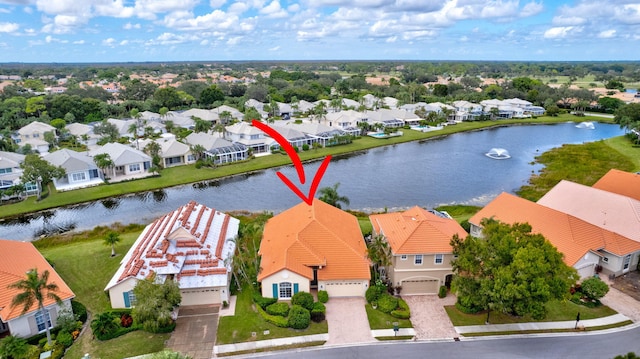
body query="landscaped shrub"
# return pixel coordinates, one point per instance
(442, 292)
(403, 311)
(299, 317)
(464, 307)
(303, 299)
(305, 147)
(323, 296)
(126, 320)
(387, 303)
(276, 320)
(263, 302)
(318, 312)
(280, 308)
(373, 292)
(594, 288)
(80, 310)
(65, 339)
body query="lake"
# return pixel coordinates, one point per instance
(449, 170)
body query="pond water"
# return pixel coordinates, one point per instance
(448, 170)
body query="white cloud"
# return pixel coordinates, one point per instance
(129, 26)
(275, 49)
(531, 9)
(216, 3)
(149, 9)
(78, 42)
(4, 11)
(273, 10)
(568, 20)
(109, 42)
(124, 42)
(234, 40)
(8, 27)
(28, 10)
(560, 32)
(607, 34)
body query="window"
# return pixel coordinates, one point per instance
(403, 257)
(78, 176)
(40, 320)
(191, 158)
(5, 170)
(285, 290)
(418, 259)
(134, 167)
(132, 299)
(439, 258)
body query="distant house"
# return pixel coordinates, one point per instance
(324, 135)
(249, 136)
(295, 137)
(10, 173)
(16, 259)
(129, 163)
(420, 246)
(80, 169)
(313, 247)
(219, 149)
(84, 133)
(33, 134)
(193, 246)
(584, 245)
(173, 152)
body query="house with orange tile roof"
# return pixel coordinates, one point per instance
(314, 246)
(583, 244)
(611, 211)
(420, 247)
(16, 259)
(620, 182)
(193, 246)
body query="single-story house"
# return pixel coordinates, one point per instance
(193, 245)
(80, 169)
(219, 149)
(10, 173)
(128, 162)
(314, 246)
(84, 133)
(583, 244)
(16, 259)
(173, 152)
(420, 248)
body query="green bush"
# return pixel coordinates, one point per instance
(323, 296)
(318, 312)
(373, 292)
(403, 311)
(80, 310)
(276, 320)
(281, 309)
(466, 308)
(305, 147)
(387, 303)
(65, 339)
(442, 292)
(299, 317)
(593, 288)
(159, 330)
(58, 351)
(303, 299)
(263, 302)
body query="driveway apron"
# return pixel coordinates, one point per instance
(429, 319)
(347, 320)
(195, 333)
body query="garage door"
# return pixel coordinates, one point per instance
(345, 289)
(202, 296)
(586, 272)
(420, 286)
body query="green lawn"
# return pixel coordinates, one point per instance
(189, 174)
(556, 311)
(238, 328)
(128, 345)
(380, 320)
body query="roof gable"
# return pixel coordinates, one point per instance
(620, 182)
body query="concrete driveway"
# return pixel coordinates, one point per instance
(348, 323)
(195, 333)
(429, 319)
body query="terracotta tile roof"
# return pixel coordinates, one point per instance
(318, 235)
(570, 235)
(16, 259)
(608, 210)
(620, 182)
(417, 231)
(180, 243)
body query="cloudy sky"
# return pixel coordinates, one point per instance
(207, 30)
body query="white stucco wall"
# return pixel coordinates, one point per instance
(284, 275)
(115, 293)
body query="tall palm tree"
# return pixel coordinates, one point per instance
(329, 195)
(110, 240)
(379, 252)
(34, 290)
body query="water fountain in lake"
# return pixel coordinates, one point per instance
(498, 154)
(587, 125)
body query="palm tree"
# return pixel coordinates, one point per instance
(103, 324)
(103, 161)
(200, 125)
(379, 252)
(198, 151)
(34, 290)
(110, 240)
(225, 117)
(330, 196)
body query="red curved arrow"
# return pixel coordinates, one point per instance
(297, 163)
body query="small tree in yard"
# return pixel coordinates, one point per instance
(112, 239)
(155, 302)
(594, 288)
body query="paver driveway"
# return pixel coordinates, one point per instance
(195, 333)
(348, 323)
(429, 319)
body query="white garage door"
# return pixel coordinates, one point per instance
(201, 296)
(420, 286)
(586, 272)
(345, 289)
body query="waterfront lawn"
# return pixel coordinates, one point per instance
(239, 327)
(380, 320)
(557, 310)
(583, 163)
(189, 174)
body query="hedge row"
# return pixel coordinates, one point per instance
(276, 320)
(263, 302)
(403, 311)
(118, 332)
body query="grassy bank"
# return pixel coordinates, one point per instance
(189, 174)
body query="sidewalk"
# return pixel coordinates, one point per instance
(261, 344)
(490, 328)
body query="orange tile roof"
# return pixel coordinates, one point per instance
(570, 235)
(620, 182)
(417, 231)
(318, 235)
(16, 259)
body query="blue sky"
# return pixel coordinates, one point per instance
(221, 30)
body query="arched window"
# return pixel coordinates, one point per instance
(285, 290)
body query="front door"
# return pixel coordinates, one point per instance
(314, 282)
(625, 263)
